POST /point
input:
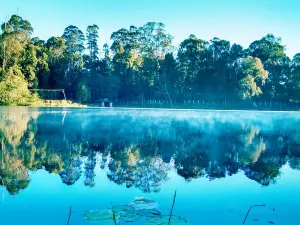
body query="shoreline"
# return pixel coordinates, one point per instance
(153, 108)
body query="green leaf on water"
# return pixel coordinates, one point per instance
(148, 212)
(143, 203)
(164, 220)
(124, 212)
(100, 215)
(142, 200)
(123, 209)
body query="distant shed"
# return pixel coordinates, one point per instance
(106, 103)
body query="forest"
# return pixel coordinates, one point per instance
(142, 63)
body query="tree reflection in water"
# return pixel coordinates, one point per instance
(140, 150)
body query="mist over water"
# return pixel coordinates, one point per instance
(220, 163)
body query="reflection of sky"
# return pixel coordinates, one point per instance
(223, 201)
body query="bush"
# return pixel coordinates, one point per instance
(14, 90)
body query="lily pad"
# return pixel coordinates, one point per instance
(123, 209)
(122, 212)
(148, 212)
(143, 203)
(142, 200)
(131, 217)
(100, 215)
(126, 213)
(164, 220)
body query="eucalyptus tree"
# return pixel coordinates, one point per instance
(42, 66)
(192, 65)
(167, 84)
(155, 43)
(127, 60)
(57, 61)
(19, 61)
(272, 54)
(235, 54)
(106, 51)
(28, 63)
(219, 52)
(16, 34)
(74, 39)
(92, 41)
(294, 81)
(252, 77)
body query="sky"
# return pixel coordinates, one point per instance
(238, 21)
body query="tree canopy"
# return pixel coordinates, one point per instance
(142, 62)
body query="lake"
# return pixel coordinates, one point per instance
(133, 160)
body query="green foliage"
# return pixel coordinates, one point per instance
(28, 65)
(74, 38)
(17, 25)
(192, 64)
(42, 66)
(14, 89)
(272, 54)
(142, 63)
(252, 74)
(92, 41)
(83, 93)
(294, 81)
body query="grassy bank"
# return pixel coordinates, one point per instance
(57, 103)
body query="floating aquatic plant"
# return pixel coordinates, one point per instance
(142, 200)
(143, 203)
(164, 220)
(148, 212)
(124, 212)
(141, 208)
(100, 215)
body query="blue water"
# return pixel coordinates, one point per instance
(220, 163)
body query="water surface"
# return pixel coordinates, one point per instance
(220, 163)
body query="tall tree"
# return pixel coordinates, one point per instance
(236, 53)
(294, 79)
(16, 34)
(155, 41)
(57, 61)
(219, 52)
(126, 61)
(74, 39)
(252, 76)
(42, 67)
(272, 54)
(18, 62)
(168, 78)
(192, 65)
(92, 41)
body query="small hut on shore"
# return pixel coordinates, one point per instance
(106, 103)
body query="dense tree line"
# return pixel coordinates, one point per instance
(142, 63)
